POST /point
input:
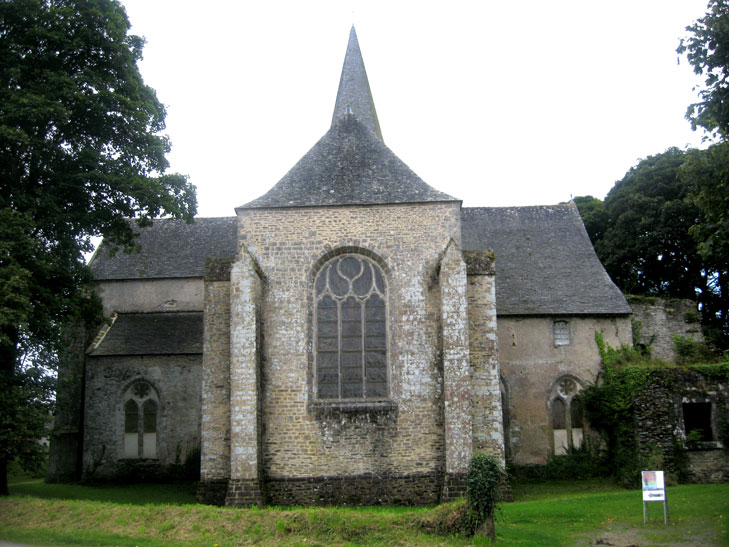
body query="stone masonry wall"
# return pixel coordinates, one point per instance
(488, 432)
(457, 409)
(660, 425)
(305, 440)
(65, 445)
(531, 364)
(176, 378)
(245, 383)
(661, 320)
(215, 426)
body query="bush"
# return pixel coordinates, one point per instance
(586, 462)
(690, 351)
(483, 491)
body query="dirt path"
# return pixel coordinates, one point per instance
(658, 534)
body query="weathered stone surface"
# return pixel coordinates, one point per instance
(660, 320)
(245, 381)
(67, 434)
(488, 425)
(303, 441)
(418, 489)
(215, 389)
(176, 379)
(457, 410)
(531, 366)
(660, 426)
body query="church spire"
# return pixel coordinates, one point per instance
(354, 95)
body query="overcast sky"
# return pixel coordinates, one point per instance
(495, 103)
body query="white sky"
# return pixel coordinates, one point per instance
(495, 103)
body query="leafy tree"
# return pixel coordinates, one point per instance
(592, 211)
(80, 151)
(707, 50)
(646, 246)
(661, 231)
(707, 171)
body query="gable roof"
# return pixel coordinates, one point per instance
(348, 166)
(545, 262)
(178, 333)
(169, 248)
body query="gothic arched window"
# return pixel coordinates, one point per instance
(140, 421)
(566, 416)
(350, 329)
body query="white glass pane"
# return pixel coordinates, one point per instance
(131, 447)
(577, 437)
(560, 442)
(149, 448)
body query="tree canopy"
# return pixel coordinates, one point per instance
(707, 50)
(81, 152)
(656, 236)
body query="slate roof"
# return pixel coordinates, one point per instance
(178, 333)
(170, 248)
(354, 89)
(545, 262)
(348, 166)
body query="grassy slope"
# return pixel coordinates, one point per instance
(562, 513)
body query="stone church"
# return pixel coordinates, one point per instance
(352, 336)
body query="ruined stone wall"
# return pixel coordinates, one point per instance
(661, 427)
(307, 442)
(176, 379)
(531, 365)
(661, 320)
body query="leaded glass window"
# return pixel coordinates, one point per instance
(561, 333)
(351, 341)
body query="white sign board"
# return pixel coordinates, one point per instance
(653, 486)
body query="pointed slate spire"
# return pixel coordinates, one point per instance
(354, 95)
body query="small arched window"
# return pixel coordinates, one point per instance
(566, 416)
(140, 421)
(350, 314)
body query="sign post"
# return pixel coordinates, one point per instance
(654, 490)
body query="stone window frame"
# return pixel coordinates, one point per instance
(701, 445)
(565, 389)
(559, 338)
(379, 403)
(141, 392)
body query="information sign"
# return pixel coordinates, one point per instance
(654, 489)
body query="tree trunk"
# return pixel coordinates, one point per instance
(4, 477)
(488, 529)
(8, 356)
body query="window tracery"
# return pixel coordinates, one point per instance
(350, 329)
(566, 416)
(140, 421)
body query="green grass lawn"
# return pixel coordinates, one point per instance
(544, 513)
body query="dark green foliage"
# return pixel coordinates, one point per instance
(646, 246)
(585, 462)
(707, 50)
(592, 211)
(80, 153)
(609, 405)
(662, 232)
(483, 491)
(690, 351)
